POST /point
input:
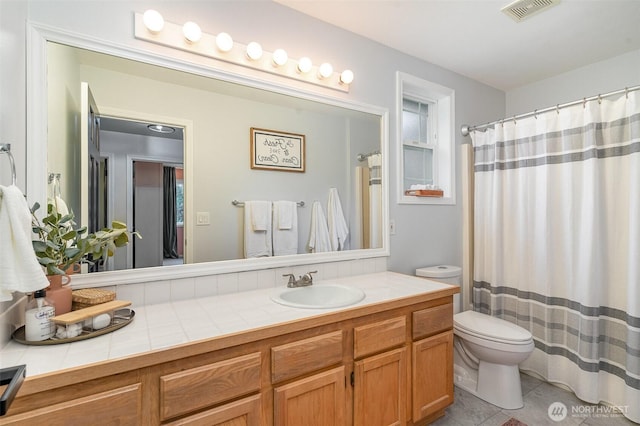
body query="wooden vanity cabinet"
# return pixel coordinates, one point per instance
(380, 373)
(316, 400)
(245, 412)
(384, 364)
(380, 389)
(117, 406)
(432, 359)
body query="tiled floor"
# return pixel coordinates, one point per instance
(538, 396)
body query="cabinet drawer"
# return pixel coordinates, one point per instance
(243, 412)
(376, 337)
(200, 387)
(432, 320)
(304, 356)
(117, 406)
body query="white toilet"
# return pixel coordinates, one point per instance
(487, 350)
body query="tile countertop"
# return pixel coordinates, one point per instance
(167, 325)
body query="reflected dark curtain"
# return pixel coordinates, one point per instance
(169, 229)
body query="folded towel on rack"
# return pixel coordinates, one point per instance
(319, 234)
(260, 214)
(338, 229)
(287, 210)
(285, 228)
(19, 267)
(257, 243)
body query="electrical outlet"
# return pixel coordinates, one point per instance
(202, 218)
(392, 227)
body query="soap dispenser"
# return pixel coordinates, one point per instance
(37, 321)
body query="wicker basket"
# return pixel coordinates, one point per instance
(86, 297)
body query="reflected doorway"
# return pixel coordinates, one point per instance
(138, 157)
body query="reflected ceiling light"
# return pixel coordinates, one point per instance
(280, 57)
(325, 70)
(304, 65)
(191, 31)
(159, 128)
(346, 77)
(153, 20)
(254, 50)
(224, 42)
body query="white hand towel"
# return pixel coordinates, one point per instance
(338, 229)
(285, 228)
(19, 267)
(319, 234)
(286, 212)
(260, 214)
(256, 243)
(61, 206)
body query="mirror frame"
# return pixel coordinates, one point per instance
(37, 142)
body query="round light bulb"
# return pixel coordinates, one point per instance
(280, 57)
(224, 42)
(254, 50)
(153, 20)
(304, 65)
(325, 70)
(346, 77)
(191, 31)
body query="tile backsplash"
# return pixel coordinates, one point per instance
(151, 293)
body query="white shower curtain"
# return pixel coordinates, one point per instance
(375, 200)
(557, 243)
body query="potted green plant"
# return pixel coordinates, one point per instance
(59, 246)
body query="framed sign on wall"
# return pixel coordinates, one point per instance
(275, 150)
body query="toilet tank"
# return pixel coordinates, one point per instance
(447, 274)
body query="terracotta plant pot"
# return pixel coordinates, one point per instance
(59, 291)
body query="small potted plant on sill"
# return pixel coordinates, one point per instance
(59, 247)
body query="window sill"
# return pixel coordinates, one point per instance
(407, 199)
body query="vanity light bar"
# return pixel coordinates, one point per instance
(203, 44)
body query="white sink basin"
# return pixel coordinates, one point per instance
(319, 296)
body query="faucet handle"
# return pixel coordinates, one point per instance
(308, 278)
(292, 279)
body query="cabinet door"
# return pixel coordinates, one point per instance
(318, 400)
(432, 375)
(380, 389)
(245, 412)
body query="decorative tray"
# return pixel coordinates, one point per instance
(121, 318)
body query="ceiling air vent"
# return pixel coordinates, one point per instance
(519, 10)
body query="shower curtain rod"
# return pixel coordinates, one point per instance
(465, 129)
(362, 157)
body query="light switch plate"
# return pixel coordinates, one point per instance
(202, 218)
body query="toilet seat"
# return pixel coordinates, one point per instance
(491, 328)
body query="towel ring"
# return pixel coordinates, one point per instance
(6, 149)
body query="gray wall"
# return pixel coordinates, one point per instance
(601, 77)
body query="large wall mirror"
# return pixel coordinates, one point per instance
(208, 155)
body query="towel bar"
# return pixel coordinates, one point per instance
(241, 203)
(6, 149)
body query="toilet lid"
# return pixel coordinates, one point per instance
(493, 328)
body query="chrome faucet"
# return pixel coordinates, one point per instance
(303, 281)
